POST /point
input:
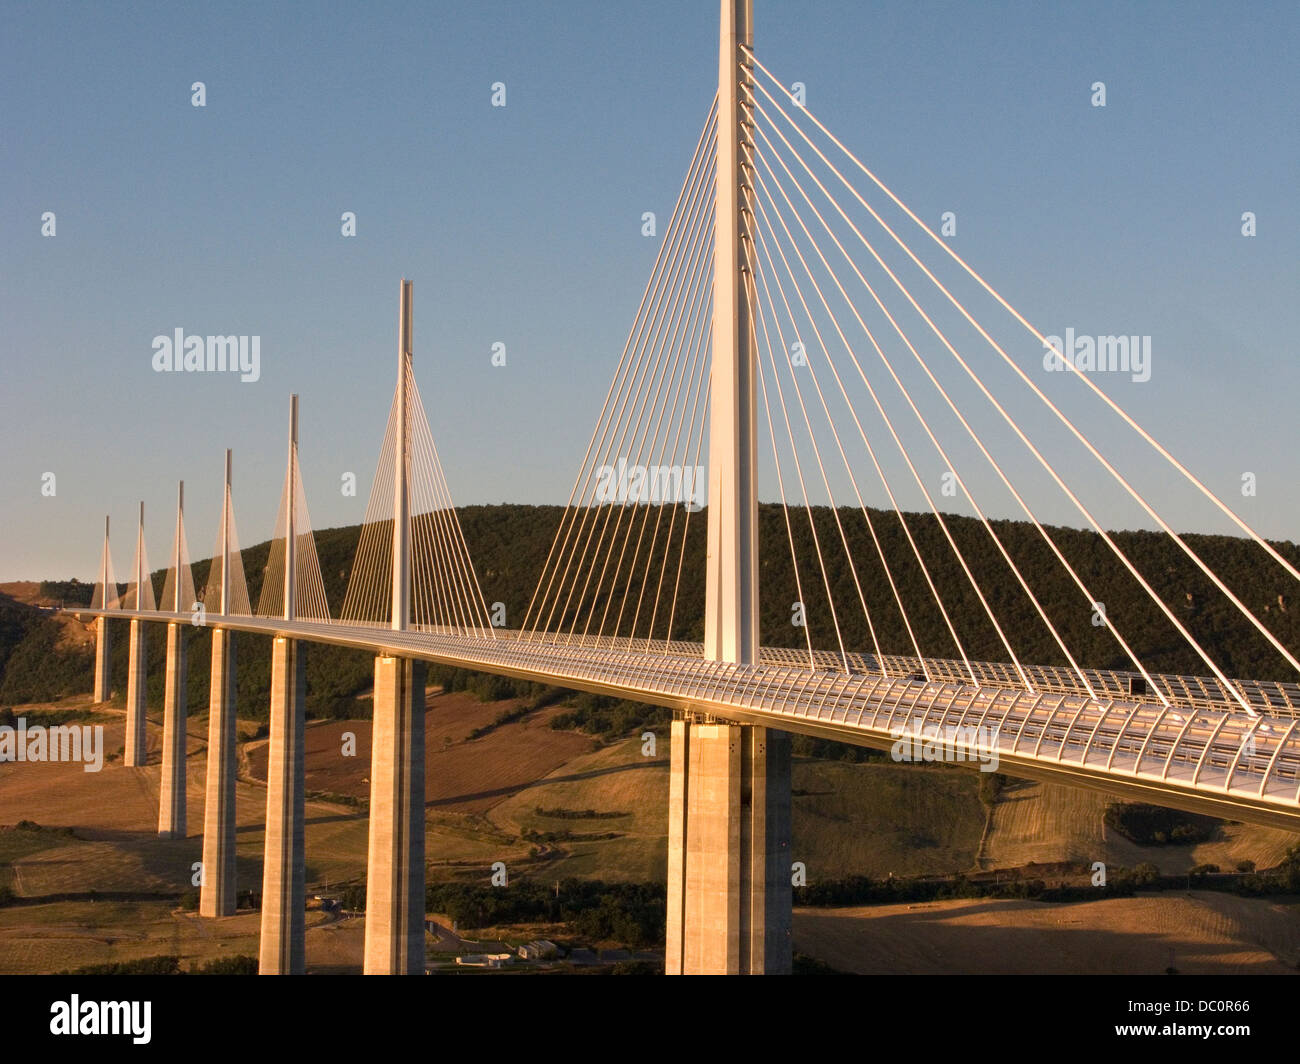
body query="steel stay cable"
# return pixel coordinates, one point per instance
(679, 227)
(1065, 488)
(689, 185)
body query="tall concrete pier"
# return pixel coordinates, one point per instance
(217, 896)
(137, 671)
(103, 673)
(171, 802)
(171, 799)
(284, 896)
(284, 893)
(395, 866)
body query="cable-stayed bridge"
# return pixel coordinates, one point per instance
(791, 334)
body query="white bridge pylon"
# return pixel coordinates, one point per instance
(292, 586)
(226, 591)
(424, 549)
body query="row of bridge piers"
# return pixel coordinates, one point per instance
(729, 869)
(394, 942)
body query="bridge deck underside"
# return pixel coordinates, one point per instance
(1205, 756)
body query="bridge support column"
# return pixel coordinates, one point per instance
(395, 869)
(217, 895)
(728, 850)
(284, 893)
(171, 804)
(133, 754)
(103, 674)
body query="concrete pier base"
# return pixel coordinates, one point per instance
(395, 869)
(103, 676)
(137, 672)
(284, 896)
(171, 800)
(729, 891)
(217, 894)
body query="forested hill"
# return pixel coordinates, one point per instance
(510, 544)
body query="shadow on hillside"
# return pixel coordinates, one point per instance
(502, 792)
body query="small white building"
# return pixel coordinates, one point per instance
(485, 960)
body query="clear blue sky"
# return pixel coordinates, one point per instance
(522, 225)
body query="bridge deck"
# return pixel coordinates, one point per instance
(1211, 758)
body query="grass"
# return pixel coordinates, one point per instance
(19, 842)
(614, 779)
(879, 817)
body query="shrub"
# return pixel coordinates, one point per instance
(240, 965)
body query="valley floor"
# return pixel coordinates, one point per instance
(110, 890)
